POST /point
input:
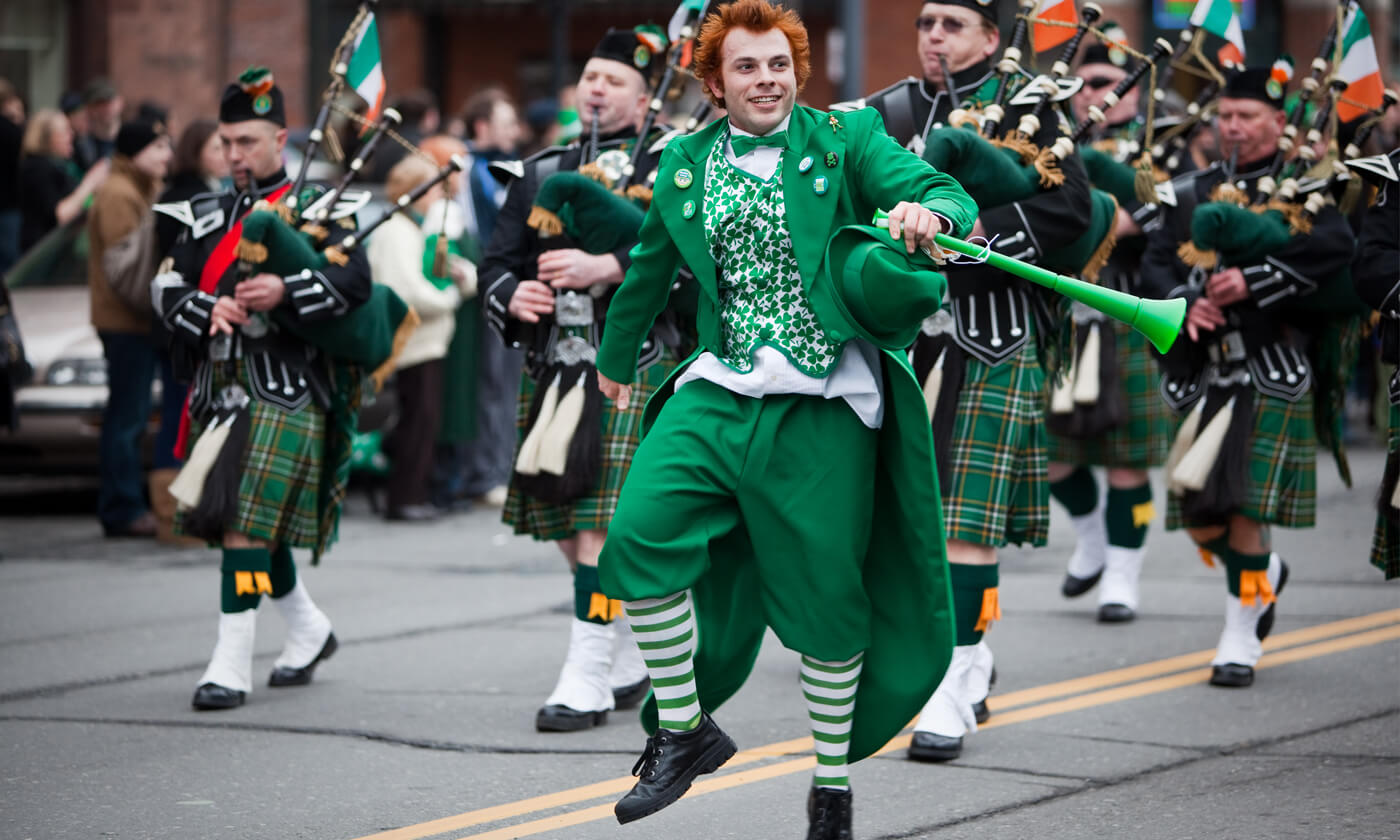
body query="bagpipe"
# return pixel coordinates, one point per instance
(290, 237)
(998, 163)
(599, 209)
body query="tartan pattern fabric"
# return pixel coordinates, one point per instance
(281, 475)
(1140, 442)
(1282, 487)
(997, 490)
(621, 435)
(1385, 546)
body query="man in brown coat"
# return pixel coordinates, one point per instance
(142, 155)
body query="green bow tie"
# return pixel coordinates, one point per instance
(743, 144)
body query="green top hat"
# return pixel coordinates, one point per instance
(870, 288)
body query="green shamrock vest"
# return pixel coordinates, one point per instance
(760, 288)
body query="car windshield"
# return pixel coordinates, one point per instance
(59, 259)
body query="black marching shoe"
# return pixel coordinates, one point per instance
(283, 677)
(1115, 613)
(1073, 586)
(669, 765)
(561, 718)
(929, 746)
(212, 697)
(628, 696)
(828, 814)
(1235, 675)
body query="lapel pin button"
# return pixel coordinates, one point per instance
(805, 164)
(683, 178)
(688, 209)
(819, 186)
(831, 160)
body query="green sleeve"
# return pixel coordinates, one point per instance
(641, 297)
(887, 173)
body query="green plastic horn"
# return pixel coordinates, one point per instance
(1159, 320)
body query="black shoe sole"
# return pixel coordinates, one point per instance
(222, 703)
(1115, 614)
(1231, 677)
(935, 755)
(713, 759)
(550, 720)
(292, 677)
(1073, 586)
(629, 696)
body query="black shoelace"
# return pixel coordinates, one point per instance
(645, 767)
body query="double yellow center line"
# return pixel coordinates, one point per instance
(1011, 708)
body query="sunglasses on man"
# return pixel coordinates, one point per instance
(1099, 82)
(951, 26)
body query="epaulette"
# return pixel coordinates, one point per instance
(1377, 169)
(865, 101)
(201, 213)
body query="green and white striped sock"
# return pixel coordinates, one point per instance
(830, 689)
(665, 632)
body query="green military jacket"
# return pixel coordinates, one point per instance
(906, 572)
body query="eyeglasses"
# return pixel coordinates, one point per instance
(951, 26)
(1099, 82)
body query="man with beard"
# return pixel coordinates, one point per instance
(547, 296)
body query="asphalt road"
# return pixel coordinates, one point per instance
(451, 635)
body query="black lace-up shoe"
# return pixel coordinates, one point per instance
(828, 814)
(669, 764)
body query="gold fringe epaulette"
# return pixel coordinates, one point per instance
(1230, 194)
(406, 327)
(1298, 221)
(1021, 145)
(286, 213)
(1193, 256)
(545, 221)
(1099, 259)
(594, 171)
(249, 251)
(1048, 167)
(640, 194)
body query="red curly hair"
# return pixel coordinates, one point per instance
(757, 16)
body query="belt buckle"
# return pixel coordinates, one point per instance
(221, 347)
(571, 350)
(1232, 347)
(572, 309)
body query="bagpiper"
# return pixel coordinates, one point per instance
(727, 523)
(980, 357)
(1377, 277)
(547, 294)
(1107, 412)
(271, 397)
(1243, 458)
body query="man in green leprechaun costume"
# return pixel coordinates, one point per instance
(786, 479)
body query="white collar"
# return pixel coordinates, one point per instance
(736, 131)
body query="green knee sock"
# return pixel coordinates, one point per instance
(974, 593)
(1078, 492)
(283, 573)
(1129, 512)
(590, 604)
(1237, 563)
(245, 578)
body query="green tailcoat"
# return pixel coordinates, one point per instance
(905, 567)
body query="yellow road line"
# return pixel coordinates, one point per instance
(1135, 674)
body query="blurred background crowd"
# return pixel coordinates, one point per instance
(106, 108)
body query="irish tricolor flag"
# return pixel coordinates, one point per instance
(365, 72)
(1359, 68)
(1218, 18)
(1045, 34)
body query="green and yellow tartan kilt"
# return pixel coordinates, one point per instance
(281, 475)
(997, 491)
(1385, 546)
(1282, 483)
(621, 431)
(1142, 440)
